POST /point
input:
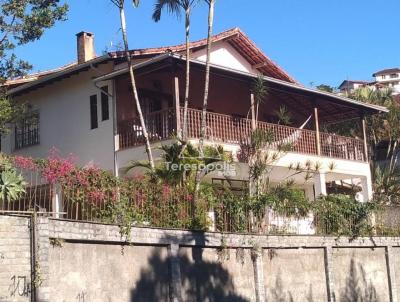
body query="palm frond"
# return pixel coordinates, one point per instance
(118, 3)
(172, 6)
(284, 115)
(259, 90)
(137, 164)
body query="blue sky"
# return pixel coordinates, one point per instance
(319, 41)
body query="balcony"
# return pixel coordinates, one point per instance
(227, 129)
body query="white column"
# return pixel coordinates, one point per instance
(320, 184)
(211, 218)
(366, 188)
(56, 200)
(309, 192)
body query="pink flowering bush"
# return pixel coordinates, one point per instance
(92, 193)
(26, 163)
(57, 170)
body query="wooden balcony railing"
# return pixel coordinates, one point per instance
(343, 147)
(229, 129)
(160, 125)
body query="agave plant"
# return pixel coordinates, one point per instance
(12, 186)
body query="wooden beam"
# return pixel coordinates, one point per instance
(292, 103)
(364, 129)
(253, 113)
(260, 65)
(317, 134)
(177, 107)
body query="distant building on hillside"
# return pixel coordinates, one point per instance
(349, 86)
(389, 78)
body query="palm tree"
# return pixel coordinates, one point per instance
(120, 5)
(211, 4)
(174, 7)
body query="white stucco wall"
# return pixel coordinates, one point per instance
(387, 78)
(225, 55)
(393, 83)
(64, 108)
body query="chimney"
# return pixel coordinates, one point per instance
(85, 46)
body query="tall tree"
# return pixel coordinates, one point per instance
(174, 7)
(120, 5)
(211, 4)
(21, 22)
(383, 132)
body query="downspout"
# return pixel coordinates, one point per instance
(115, 130)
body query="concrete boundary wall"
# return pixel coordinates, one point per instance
(91, 262)
(15, 259)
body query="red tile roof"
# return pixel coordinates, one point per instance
(386, 71)
(235, 37)
(37, 75)
(238, 40)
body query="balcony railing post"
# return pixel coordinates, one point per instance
(177, 107)
(317, 134)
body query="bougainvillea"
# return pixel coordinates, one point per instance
(27, 163)
(90, 193)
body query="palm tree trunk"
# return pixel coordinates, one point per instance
(133, 84)
(187, 86)
(206, 90)
(207, 78)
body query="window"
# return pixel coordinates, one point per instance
(393, 76)
(93, 112)
(383, 77)
(27, 131)
(105, 112)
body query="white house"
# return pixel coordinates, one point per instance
(348, 86)
(389, 78)
(87, 109)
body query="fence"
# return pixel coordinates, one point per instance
(58, 188)
(161, 206)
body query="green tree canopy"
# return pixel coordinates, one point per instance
(384, 140)
(21, 22)
(326, 88)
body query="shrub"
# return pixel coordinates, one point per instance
(339, 214)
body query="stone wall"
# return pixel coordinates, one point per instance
(90, 262)
(104, 272)
(15, 259)
(362, 274)
(295, 274)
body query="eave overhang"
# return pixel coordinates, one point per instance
(57, 76)
(277, 84)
